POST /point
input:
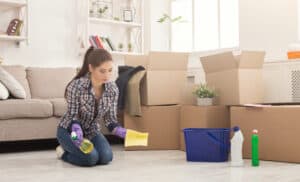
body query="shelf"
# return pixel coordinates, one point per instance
(114, 22)
(12, 38)
(9, 4)
(117, 53)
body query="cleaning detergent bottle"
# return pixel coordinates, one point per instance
(255, 149)
(86, 146)
(237, 147)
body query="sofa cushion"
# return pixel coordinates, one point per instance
(59, 106)
(28, 129)
(49, 83)
(25, 108)
(19, 73)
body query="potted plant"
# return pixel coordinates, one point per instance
(205, 95)
(91, 13)
(165, 17)
(116, 18)
(120, 46)
(101, 11)
(129, 47)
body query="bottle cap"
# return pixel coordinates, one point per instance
(255, 131)
(73, 135)
(236, 128)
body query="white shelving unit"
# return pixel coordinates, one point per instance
(19, 6)
(9, 4)
(114, 22)
(132, 32)
(118, 53)
(12, 38)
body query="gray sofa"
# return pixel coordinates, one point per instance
(37, 116)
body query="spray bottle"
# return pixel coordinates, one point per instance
(85, 146)
(255, 149)
(237, 147)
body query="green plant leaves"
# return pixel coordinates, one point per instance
(203, 91)
(166, 17)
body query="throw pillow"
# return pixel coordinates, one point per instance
(3, 92)
(13, 86)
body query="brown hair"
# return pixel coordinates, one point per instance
(94, 57)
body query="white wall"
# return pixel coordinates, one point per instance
(52, 36)
(269, 25)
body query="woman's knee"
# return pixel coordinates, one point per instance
(91, 159)
(105, 156)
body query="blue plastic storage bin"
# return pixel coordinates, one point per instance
(207, 144)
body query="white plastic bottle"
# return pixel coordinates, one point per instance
(237, 147)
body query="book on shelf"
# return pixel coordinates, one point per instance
(92, 41)
(111, 45)
(96, 42)
(105, 44)
(101, 43)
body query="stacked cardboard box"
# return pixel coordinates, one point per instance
(162, 124)
(160, 97)
(238, 81)
(165, 76)
(278, 129)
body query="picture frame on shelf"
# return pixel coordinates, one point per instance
(128, 15)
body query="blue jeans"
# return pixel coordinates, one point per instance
(101, 154)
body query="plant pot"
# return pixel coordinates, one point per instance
(100, 15)
(204, 101)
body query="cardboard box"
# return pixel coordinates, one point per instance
(278, 129)
(203, 117)
(162, 124)
(165, 76)
(237, 79)
(187, 95)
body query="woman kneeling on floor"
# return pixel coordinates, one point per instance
(91, 98)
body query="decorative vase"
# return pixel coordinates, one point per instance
(204, 101)
(100, 15)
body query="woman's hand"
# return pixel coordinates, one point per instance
(76, 128)
(120, 132)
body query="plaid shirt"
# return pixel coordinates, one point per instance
(82, 106)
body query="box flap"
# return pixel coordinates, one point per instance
(218, 62)
(131, 60)
(167, 61)
(251, 59)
